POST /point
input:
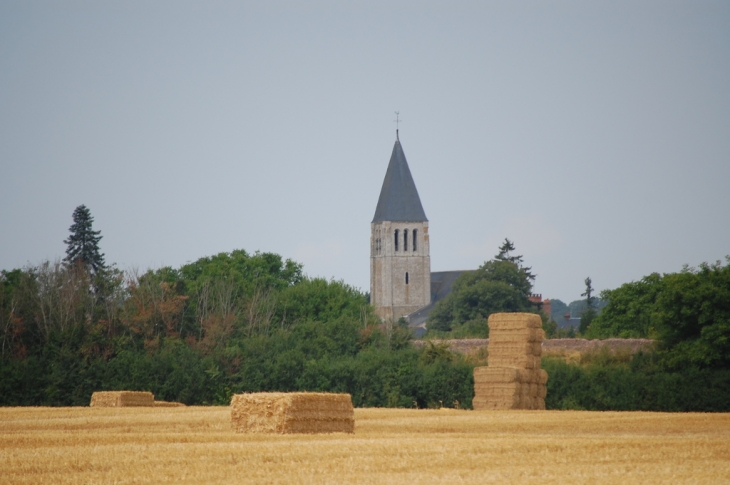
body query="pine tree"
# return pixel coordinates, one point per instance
(505, 254)
(590, 312)
(83, 243)
(589, 294)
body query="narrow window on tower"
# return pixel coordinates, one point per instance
(406, 277)
(396, 239)
(405, 239)
(415, 235)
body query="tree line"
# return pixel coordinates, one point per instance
(224, 324)
(240, 322)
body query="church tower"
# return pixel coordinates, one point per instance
(400, 261)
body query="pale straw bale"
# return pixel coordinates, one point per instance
(495, 374)
(537, 349)
(522, 348)
(514, 387)
(293, 412)
(522, 335)
(518, 361)
(529, 376)
(486, 403)
(506, 321)
(110, 399)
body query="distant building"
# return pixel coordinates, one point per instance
(401, 281)
(542, 305)
(400, 260)
(569, 321)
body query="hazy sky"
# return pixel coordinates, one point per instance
(596, 135)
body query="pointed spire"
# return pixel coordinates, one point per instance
(399, 201)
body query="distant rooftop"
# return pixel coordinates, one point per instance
(441, 283)
(399, 201)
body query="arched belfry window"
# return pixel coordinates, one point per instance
(415, 236)
(406, 277)
(405, 239)
(396, 239)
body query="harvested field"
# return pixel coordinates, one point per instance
(195, 445)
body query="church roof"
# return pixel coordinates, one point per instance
(399, 199)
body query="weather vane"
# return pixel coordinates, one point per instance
(397, 122)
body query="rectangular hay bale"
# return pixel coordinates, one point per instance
(292, 412)
(521, 348)
(519, 361)
(494, 403)
(531, 376)
(495, 374)
(122, 399)
(509, 321)
(522, 335)
(496, 392)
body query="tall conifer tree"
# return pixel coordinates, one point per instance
(505, 254)
(83, 243)
(590, 312)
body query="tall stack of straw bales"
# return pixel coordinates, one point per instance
(292, 412)
(513, 379)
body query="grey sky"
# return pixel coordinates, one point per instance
(596, 135)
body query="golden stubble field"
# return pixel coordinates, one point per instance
(195, 445)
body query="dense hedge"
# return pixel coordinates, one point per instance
(332, 358)
(639, 385)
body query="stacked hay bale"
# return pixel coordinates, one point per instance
(513, 379)
(118, 399)
(292, 412)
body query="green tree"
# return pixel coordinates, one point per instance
(83, 243)
(631, 309)
(688, 312)
(499, 285)
(692, 317)
(505, 254)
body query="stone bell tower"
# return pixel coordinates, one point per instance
(400, 261)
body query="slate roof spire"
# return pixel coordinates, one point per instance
(399, 201)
